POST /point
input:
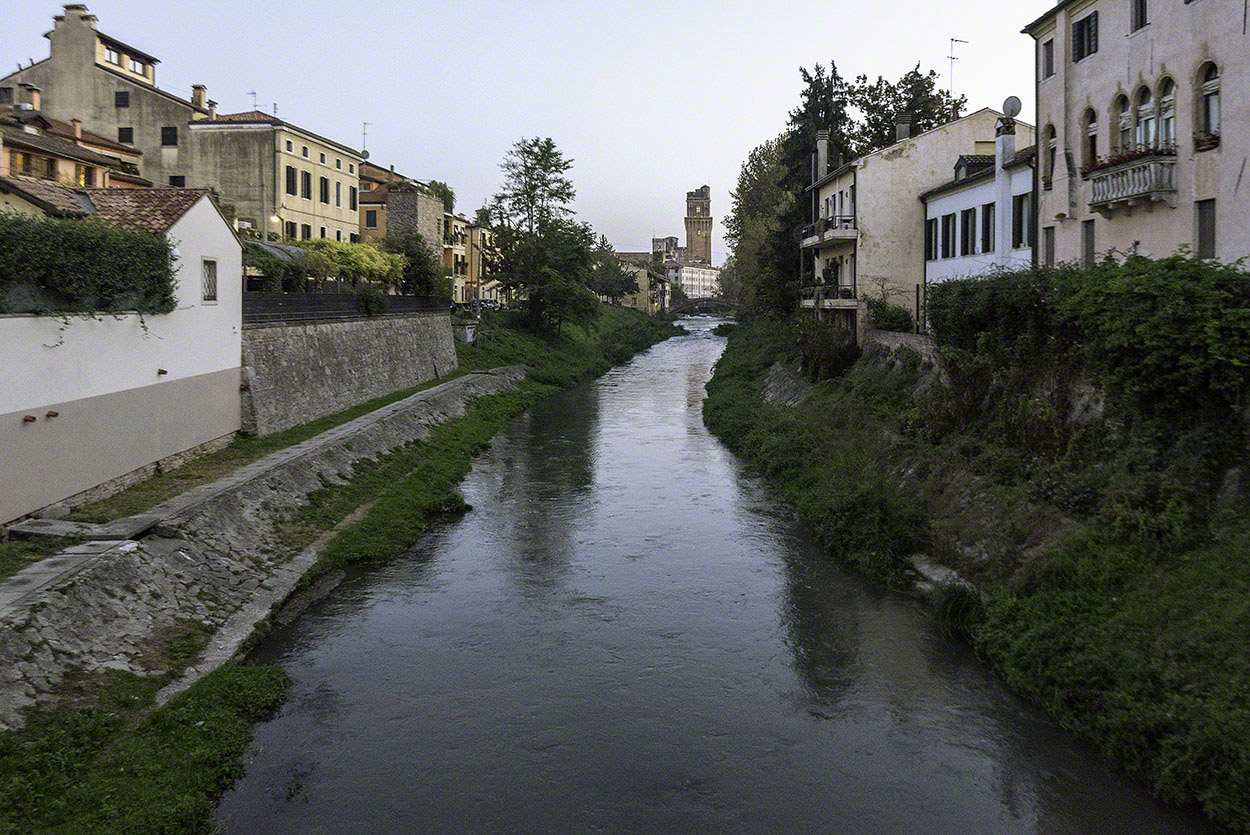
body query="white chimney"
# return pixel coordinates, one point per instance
(902, 127)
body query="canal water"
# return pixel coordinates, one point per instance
(627, 634)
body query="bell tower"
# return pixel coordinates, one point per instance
(699, 225)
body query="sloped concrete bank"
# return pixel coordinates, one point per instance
(207, 561)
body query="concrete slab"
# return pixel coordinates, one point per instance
(52, 527)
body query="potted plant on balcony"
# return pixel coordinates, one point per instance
(1127, 156)
(1204, 141)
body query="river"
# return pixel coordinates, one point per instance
(627, 634)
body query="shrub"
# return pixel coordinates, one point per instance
(827, 350)
(51, 266)
(885, 316)
(371, 299)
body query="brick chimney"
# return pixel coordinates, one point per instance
(822, 153)
(77, 123)
(212, 109)
(199, 95)
(902, 127)
(29, 94)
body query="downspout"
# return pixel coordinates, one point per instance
(1036, 219)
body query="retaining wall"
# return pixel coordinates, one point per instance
(296, 373)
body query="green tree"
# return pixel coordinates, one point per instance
(445, 193)
(880, 103)
(611, 279)
(759, 209)
(422, 272)
(541, 255)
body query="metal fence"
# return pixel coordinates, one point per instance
(320, 307)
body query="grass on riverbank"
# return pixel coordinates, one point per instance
(103, 760)
(1136, 642)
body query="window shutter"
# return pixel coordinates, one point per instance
(1093, 34)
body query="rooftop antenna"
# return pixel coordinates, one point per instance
(275, 108)
(953, 60)
(364, 134)
(252, 93)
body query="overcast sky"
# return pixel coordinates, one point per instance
(650, 99)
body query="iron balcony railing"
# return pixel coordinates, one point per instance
(260, 307)
(828, 228)
(830, 292)
(1144, 179)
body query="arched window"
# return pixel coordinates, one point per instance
(1167, 114)
(1145, 120)
(1124, 114)
(1091, 137)
(1210, 120)
(1052, 152)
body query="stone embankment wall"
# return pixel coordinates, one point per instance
(296, 373)
(212, 560)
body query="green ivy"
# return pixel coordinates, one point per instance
(53, 266)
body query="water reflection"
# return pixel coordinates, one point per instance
(627, 634)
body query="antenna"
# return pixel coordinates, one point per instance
(252, 93)
(364, 134)
(275, 108)
(953, 60)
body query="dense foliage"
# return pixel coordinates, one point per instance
(52, 266)
(421, 271)
(405, 265)
(884, 315)
(610, 279)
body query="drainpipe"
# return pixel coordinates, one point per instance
(1036, 219)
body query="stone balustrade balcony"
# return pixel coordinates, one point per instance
(1144, 180)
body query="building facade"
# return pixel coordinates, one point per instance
(456, 255)
(864, 239)
(1143, 108)
(982, 219)
(698, 225)
(697, 281)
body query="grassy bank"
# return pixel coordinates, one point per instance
(1126, 625)
(104, 761)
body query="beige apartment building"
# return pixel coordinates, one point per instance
(246, 157)
(1144, 115)
(456, 255)
(866, 237)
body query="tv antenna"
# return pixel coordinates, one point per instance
(951, 78)
(252, 93)
(364, 134)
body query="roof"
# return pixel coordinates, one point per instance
(1021, 157)
(66, 131)
(150, 209)
(259, 117)
(54, 199)
(128, 49)
(119, 176)
(377, 195)
(14, 135)
(973, 160)
(149, 87)
(1032, 27)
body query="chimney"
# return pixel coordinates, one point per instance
(822, 153)
(77, 123)
(212, 109)
(902, 127)
(198, 95)
(29, 94)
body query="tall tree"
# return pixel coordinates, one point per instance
(879, 104)
(758, 213)
(445, 193)
(611, 279)
(541, 254)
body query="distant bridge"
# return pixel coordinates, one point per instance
(707, 305)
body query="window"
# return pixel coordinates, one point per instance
(111, 56)
(304, 150)
(352, 237)
(1167, 114)
(290, 180)
(1051, 152)
(305, 231)
(1145, 120)
(968, 232)
(305, 185)
(290, 146)
(121, 98)
(930, 239)
(137, 66)
(178, 181)
(323, 159)
(1048, 246)
(1140, 14)
(948, 236)
(338, 234)
(209, 286)
(1210, 118)
(323, 232)
(338, 163)
(324, 190)
(1125, 124)
(126, 136)
(169, 137)
(351, 198)
(338, 195)
(49, 168)
(6, 95)
(1091, 137)
(1087, 243)
(1085, 37)
(989, 214)
(351, 168)
(1021, 220)
(1048, 58)
(1205, 210)
(290, 229)
(85, 174)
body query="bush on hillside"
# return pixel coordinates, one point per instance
(885, 316)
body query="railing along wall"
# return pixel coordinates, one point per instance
(259, 308)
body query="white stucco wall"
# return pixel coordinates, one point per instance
(976, 197)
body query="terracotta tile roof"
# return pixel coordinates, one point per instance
(52, 145)
(249, 116)
(65, 130)
(152, 209)
(972, 160)
(377, 195)
(51, 197)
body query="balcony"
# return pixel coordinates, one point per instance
(1145, 179)
(829, 229)
(829, 297)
